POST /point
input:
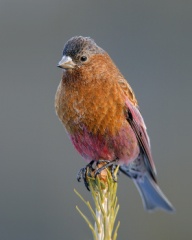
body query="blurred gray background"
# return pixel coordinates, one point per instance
(151, 43)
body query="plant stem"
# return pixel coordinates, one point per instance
(103, 190)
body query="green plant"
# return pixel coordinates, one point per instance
(103, 189)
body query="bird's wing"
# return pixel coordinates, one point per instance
(137, 123)
(127, 90)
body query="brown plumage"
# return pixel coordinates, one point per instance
(82, 91)
(100, 113)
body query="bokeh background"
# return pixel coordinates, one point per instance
(151, 42)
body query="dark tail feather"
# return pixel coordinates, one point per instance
(151, 194)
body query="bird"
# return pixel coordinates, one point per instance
(100, 113)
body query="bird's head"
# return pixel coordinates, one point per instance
(78, 52)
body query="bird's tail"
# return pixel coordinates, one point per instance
(152, 196)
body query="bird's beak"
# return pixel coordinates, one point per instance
(66, 63)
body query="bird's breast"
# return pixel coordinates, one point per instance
(94, 116)
(97, 107)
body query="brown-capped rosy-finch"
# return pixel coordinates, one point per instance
(100, 113)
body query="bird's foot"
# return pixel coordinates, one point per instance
(92, 170)
(112, 164)
(82, 174)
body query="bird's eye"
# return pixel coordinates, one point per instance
(83, 58)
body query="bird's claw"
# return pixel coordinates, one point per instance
(99, 170)
(88, 169)
(112, 164)
(82, 174)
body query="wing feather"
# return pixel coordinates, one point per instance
(136, 122)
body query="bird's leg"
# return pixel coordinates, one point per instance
(113, 164)
(82, 174)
